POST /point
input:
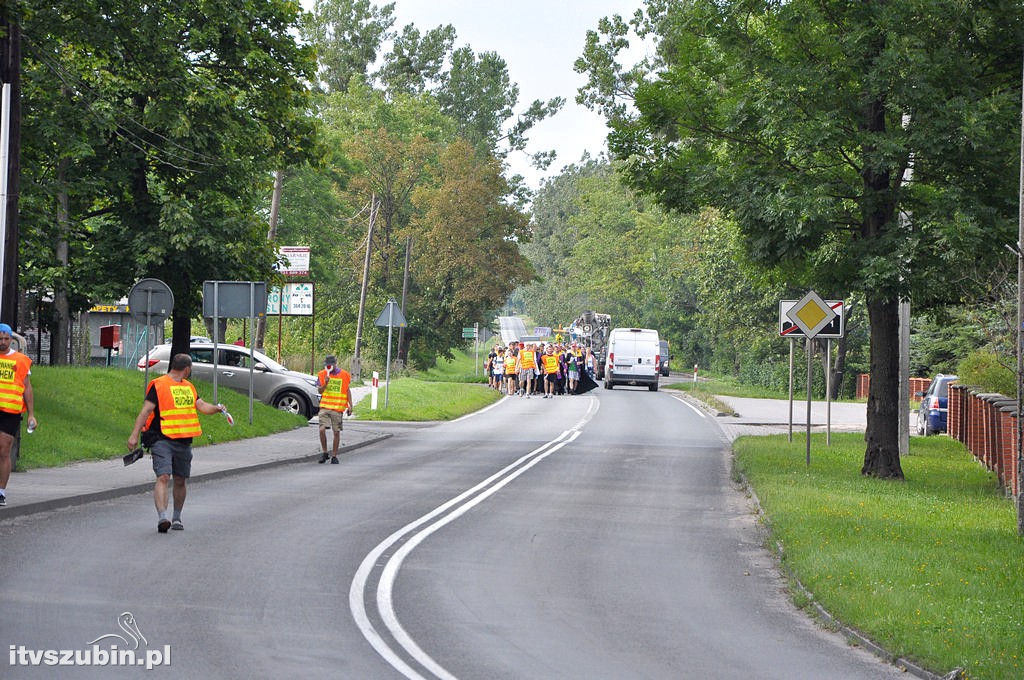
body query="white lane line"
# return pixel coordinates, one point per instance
(696, 410)
(384, 599)
(483, 410)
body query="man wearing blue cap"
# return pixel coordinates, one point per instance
(15, 399)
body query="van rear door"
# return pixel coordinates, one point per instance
(633, 357)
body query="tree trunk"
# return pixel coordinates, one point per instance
(839, 365)
(882, 457)
(10, 72)
(61, 311)
(181, 329)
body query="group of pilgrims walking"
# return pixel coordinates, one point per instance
(547, 369)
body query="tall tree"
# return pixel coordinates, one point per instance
(798, 119)
(467, 256)
(347, 35)
(190, 106)
(473, 90)
(416, 60)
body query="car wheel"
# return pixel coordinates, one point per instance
(922, 427)
(607, 384)
(653, 388)
(293, 402)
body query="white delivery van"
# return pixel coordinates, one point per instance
(633, 358)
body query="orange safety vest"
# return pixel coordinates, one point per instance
(550, 363)
(335, 395)
(177, 401)
(13, 371)
(527, 360)
(510, 365)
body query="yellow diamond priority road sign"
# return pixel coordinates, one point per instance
(811, 314)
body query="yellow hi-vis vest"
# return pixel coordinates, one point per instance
(13, 371)
(527, 359)
(177, 401)
(550, 363)
(335, 395)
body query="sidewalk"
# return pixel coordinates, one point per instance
(50, 488)
(771, 416)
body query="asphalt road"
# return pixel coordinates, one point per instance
(581, 537)
(511, 329)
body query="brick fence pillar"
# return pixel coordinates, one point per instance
(863, 385)
(1008, 445)
(954, 418)
(987, 425)
(975, 431)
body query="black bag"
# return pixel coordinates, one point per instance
(130, 458)
(148, 438)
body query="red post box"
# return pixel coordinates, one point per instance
(110, 336)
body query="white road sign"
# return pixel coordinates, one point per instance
(295, 300)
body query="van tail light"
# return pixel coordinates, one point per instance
(657, 360)
(933, 403)
(611, 358)
(152, 362)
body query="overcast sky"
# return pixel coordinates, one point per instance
(539, 40)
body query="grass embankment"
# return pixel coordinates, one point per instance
(88, 413)
(449, 390)
(931, 568)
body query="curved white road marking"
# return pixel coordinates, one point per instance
(696, 410)
(483, 410)
(461, 504)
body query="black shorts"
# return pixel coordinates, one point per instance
(10, 423)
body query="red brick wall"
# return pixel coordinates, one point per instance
(987, 425)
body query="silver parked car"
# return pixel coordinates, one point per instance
(272, 383)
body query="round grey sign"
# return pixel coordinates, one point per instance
(150, 301)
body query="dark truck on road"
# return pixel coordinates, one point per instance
(591, 330)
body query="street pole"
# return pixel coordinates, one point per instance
(405, 294)
(828, 392)
(356, 362)
(1020, 329)
(904, 325)
(260, 329)
(810, 373)
(792, 345)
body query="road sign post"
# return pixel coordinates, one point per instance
(813, 317)
(150, 301)
(234, 300)
(390, 316)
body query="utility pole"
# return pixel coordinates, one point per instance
(405, 291)
(904, 324)
(275, 208)
(356, 359)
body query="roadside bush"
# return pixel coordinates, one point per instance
(985, 370)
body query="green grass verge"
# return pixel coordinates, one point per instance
(88, 413)
(931, 568)
(411, 399)
(462, 368)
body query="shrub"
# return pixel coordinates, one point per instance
(985, 370)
